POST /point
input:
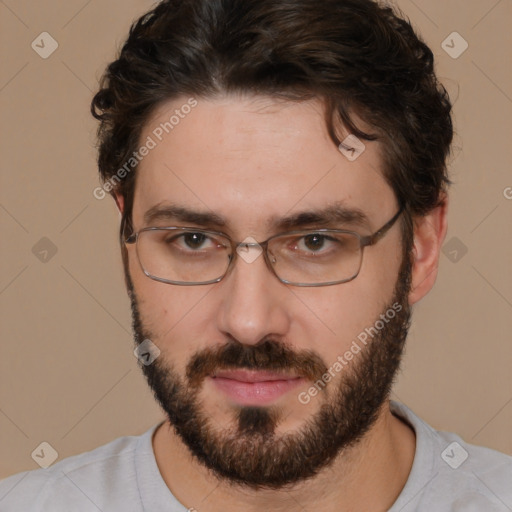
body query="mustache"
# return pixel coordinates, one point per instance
(267, 355)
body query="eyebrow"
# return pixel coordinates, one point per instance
(334, 214)
(169, 211)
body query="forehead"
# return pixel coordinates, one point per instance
(249, 159)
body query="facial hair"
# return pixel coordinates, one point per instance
(251, 453)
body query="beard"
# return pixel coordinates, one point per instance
(251, 453)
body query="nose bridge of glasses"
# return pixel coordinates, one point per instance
(250, 250)
(247, 245)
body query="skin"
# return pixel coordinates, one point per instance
(221, 158)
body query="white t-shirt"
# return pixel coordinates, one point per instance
(447, 475)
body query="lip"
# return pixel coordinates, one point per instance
(253, 387)
(253, 375)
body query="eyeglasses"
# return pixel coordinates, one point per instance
(189, 256)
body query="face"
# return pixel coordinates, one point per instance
(267, 383)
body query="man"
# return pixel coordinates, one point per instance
(280, 167)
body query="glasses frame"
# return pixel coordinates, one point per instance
(364, 241)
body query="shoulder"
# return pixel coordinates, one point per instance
(471, 470)
(80, 482)
(449, 474)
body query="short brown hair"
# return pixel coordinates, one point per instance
(358, 56)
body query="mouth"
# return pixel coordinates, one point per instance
(254, 387)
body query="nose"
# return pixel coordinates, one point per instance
(252, 302)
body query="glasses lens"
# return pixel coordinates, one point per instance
(183, 255)
(316, 257)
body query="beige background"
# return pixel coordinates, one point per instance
(67, 371)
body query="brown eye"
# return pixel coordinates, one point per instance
(194, 240)
(314, 242)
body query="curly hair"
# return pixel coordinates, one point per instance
(360, 57)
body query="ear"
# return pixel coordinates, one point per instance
(119, 199)
(429, 234)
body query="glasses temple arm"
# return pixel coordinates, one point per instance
(375, 237)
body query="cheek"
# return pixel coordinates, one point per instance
(334, 316)
(176, 317)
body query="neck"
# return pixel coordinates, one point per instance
(367, 476)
